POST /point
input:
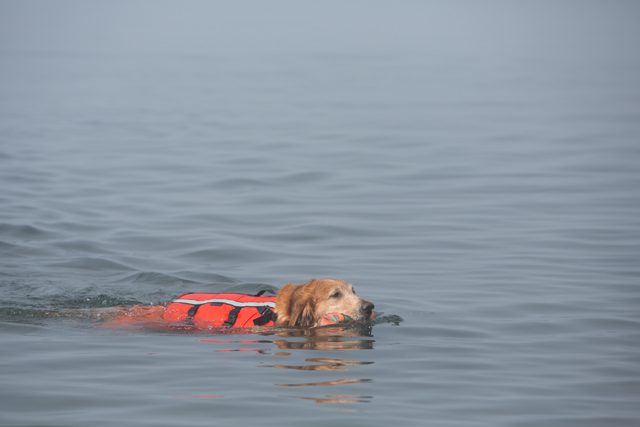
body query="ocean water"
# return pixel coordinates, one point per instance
(489, 208)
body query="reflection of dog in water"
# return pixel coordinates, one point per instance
(303, 305)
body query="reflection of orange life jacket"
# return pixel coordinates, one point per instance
(219, 310)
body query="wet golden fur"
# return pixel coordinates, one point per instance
(303, 305)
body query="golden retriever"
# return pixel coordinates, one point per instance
(295, 305)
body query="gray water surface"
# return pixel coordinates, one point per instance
(487, 204)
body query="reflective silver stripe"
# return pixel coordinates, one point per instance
(227, 301)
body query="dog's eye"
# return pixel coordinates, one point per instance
(336, 294)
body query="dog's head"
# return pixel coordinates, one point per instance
(303, 305)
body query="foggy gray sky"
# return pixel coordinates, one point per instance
(581, 29)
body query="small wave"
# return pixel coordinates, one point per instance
(394, 319)
(88, 263)
(26, 232)
(204, 277)
(154, 277)
(239, 184)
(6, 246)
(81, 246)
(97, 301)
(230, 254)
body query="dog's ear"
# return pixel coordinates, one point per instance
(303, 307)
(283, 303)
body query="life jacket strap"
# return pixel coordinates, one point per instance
(232, 317)
(267, 316)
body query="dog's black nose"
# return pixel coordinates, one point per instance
(367, 307)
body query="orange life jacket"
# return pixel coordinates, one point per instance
(223, 310)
